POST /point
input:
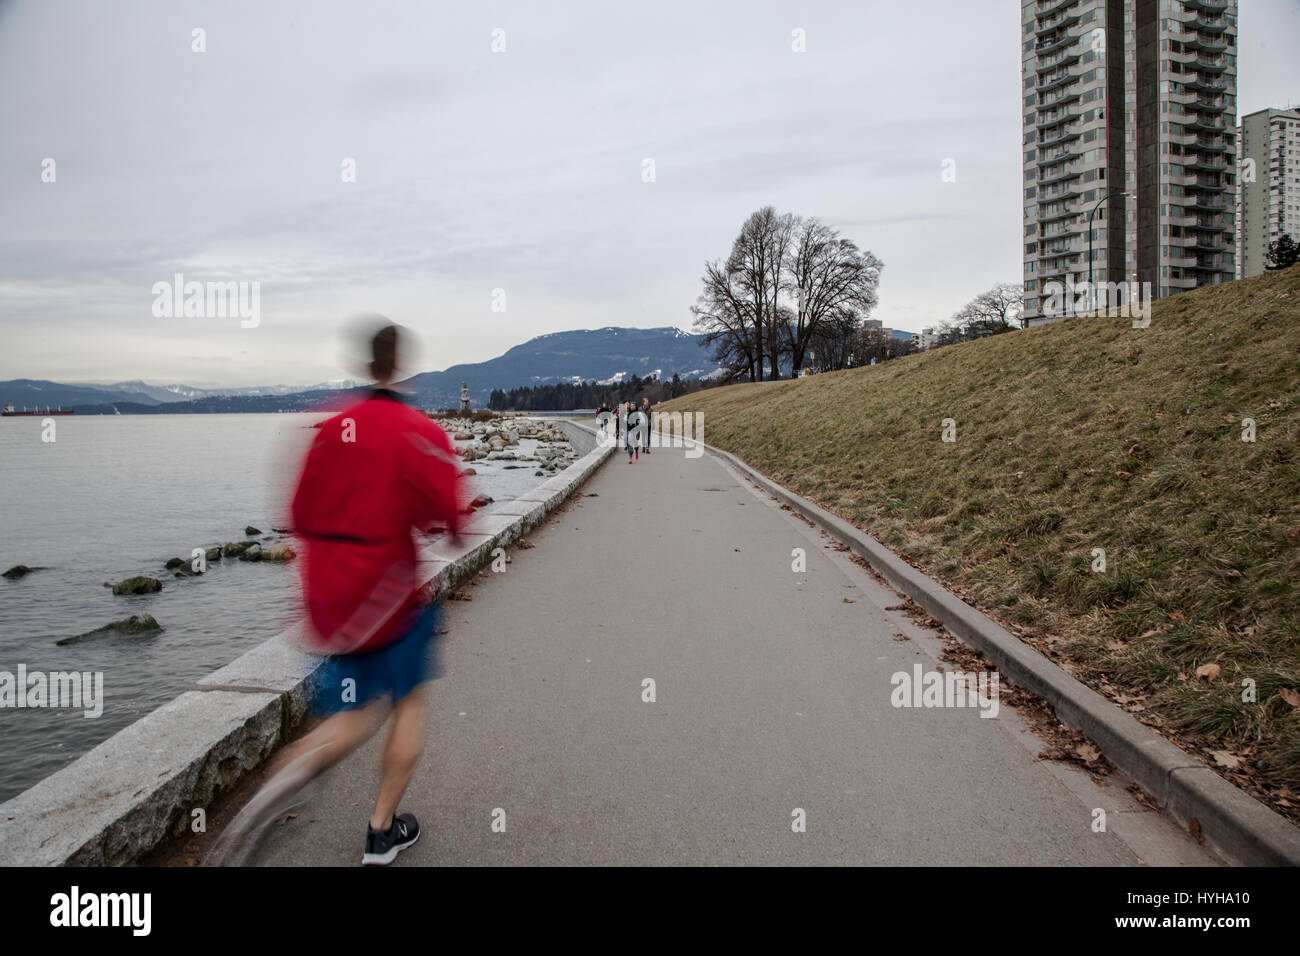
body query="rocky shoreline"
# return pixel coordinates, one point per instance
(498, 439)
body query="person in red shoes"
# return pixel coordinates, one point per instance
(376, 473)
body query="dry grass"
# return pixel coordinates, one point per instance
(1080, 435)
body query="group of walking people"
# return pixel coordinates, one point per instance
(631, 423)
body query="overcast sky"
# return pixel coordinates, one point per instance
(520, 170)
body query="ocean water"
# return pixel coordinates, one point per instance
(117, 496)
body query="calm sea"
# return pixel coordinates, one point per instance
(116, 496)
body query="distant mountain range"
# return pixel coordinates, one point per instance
(603, 355)
(28, 392)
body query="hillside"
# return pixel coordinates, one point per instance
(1079, 435)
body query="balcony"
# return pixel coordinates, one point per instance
(1068, 171)
(1059, 58)
(1058, 216)
(1065, 114)
(1210, 24)
(1204, 81)
(1058, 21)
(1046, 8)
(1059, 96)
(1202, 42)
(1054, 43)
(1053, 137)
(1068, 190)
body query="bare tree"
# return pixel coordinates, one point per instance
(828, 276)
(989, 313)
(726, 318)
(755, 264)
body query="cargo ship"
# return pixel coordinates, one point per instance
(9, 411)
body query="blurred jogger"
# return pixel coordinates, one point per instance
(373, 474)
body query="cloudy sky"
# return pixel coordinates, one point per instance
(477, 171)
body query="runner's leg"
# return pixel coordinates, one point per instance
(401, 754)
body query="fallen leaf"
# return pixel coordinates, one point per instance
(1088, 752)
(1209, 671)
(848, 600)
(1225, 759)
(1290, 696)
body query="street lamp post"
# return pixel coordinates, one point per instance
(1092, 288)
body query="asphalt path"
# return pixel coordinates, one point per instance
(771, 737)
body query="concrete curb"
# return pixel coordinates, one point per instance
(1238, 826)
(142, 786)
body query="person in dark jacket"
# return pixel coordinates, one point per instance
(647, 422)
(633, 429)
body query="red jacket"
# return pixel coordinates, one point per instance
(374, 472)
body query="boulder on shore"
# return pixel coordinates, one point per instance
(212, 554)
(18, 571)
(279, 552)
(251, 553)
(137, 585)
(133, 626)
(235, 549)
(251, 531)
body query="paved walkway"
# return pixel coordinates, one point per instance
(772, 693)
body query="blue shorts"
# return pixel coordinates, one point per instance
(350, 681)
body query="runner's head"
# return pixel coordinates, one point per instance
(383, 349)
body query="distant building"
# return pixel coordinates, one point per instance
(925, 339)
(1136, 97)
(1269, 206)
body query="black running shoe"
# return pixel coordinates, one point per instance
(382, 847)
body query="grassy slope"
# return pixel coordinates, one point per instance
(1079, 435)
